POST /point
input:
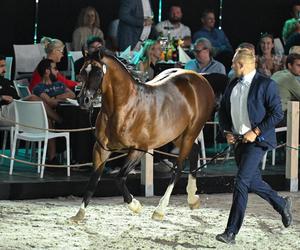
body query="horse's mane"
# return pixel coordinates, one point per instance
(137, 78)
(129, 68)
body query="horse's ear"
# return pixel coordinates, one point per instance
(84, 52)
(101, 52)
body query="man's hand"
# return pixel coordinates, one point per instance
(230, 138)
(250, 136)
(148, 21)
(7, 98)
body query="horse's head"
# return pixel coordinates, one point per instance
(92, 73)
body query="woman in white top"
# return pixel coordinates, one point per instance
(88, 24)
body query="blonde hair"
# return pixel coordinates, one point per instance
(244, 55)
(82, 18)
(294, 50)
(51, 44)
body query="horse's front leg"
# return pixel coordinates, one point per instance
(132, 160)
(99, 157)
(191, 188)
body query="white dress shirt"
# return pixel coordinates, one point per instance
(238, 104)
(146, 29)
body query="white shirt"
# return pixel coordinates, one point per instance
(238, 104)
(167, 29)
(147, 29)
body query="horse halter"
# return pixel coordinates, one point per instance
(90, 93)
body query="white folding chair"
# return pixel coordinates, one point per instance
(74, 56)
(8, 64)
(24, 111)
(6, 130)
(264, 160)
(27, 57)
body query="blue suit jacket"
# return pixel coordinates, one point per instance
(264, 107)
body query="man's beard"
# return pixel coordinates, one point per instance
(175, 20)
(52, 77)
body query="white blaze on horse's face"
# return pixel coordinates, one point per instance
(88, 69)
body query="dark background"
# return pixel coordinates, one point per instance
(243, 20)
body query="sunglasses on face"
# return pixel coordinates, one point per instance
(199, 50)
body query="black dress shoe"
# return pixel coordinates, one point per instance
(287, 217)
(226, 237)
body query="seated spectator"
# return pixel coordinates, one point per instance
(204, 61)
(267, 62)
(7, 94)
(245, 45)
(294, 37)
(223, 49)
(152, 54)
(54, 50)
(93, 44)
(88, 25)
(173, 28)
(294, 50)
(288, 82)
(51, 91)
(289, 25)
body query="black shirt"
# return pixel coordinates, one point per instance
(7, 87)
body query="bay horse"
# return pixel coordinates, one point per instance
(137, 117)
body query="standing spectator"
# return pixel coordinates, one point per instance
(54, 49)
(111, 41)
(51, 91)
(267, 62)
(288, 82)
(250, 107)
(135, 23)
(88, 25)
(173, 28)
(204, 61)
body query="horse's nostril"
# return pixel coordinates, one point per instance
(86, 100)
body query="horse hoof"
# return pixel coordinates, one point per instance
(79, 216)
(157, 216)
(195, 205)
(135, 206)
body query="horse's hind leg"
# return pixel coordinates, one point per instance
(99, 158)
(191, 188)
(132, 160)
(185, 148)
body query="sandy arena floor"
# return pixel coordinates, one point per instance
(44, 224)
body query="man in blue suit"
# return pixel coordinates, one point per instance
(250, 107)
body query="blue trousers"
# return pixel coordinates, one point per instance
(249, 179)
